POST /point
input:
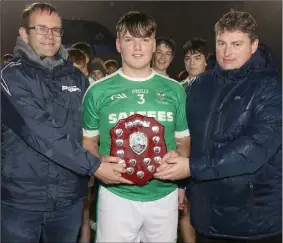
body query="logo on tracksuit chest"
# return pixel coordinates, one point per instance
(71, 88)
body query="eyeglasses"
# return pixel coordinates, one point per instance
(43, 30)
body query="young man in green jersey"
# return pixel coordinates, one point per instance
(147, 213)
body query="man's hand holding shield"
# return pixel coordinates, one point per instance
(173, 167)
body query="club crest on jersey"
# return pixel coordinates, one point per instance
(161, 98)
(160, 95)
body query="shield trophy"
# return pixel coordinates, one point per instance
(139, 141)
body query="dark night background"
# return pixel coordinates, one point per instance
(180, 20)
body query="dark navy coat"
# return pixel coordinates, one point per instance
(44, 166)
(236, 153)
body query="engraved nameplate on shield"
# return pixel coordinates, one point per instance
(139, 141)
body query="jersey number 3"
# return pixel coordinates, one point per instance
(141, 98)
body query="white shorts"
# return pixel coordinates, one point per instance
(123, 220)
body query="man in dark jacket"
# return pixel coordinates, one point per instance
(234, 116)
(45, 169)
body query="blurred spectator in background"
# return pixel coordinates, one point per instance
(195, 54)
(86, 49)
(111, 66)
(89, 53)
(164, 54)
(78, 59)
(97, 69)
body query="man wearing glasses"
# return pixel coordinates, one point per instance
(45, 169)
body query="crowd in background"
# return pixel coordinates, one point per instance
(83, 57)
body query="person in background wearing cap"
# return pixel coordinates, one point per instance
(97, 69)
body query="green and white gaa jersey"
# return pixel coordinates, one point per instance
(117, 97)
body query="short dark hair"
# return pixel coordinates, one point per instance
(7, 58)
(161, 40)
(77, 56)
(237, 21)
(85, 48)
(197, 45)
(30, 9)
(111, 63)
(138, 24)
